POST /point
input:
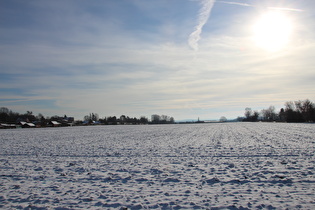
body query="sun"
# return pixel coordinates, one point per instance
(272, 31)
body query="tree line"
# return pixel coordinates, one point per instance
(93, 118)
(293, 111)
(297, 111)
(9, 117)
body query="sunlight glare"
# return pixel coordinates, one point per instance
(272, 31)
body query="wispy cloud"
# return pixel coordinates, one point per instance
(203, 16)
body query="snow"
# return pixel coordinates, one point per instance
(194, 166)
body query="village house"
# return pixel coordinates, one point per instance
(54, 123)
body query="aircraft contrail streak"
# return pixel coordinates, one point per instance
(203, 16)
(235, 3)
(250, 5)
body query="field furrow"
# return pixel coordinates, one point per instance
(201, 166)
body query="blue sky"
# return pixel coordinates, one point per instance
(142, 57)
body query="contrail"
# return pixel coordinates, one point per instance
(286, 9)
(250, 5)
(204, 13)
(235, 3)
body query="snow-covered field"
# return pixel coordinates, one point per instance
(196, 166)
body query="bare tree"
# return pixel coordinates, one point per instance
(163, 119)
(269, 114)
(4, 110)
(155, 118)
(248, 112)
(306, 108)
(223, 119)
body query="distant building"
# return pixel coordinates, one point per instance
(7, 126)
(69, 119)
(199, 121)
(27, 124)
(54, 123)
